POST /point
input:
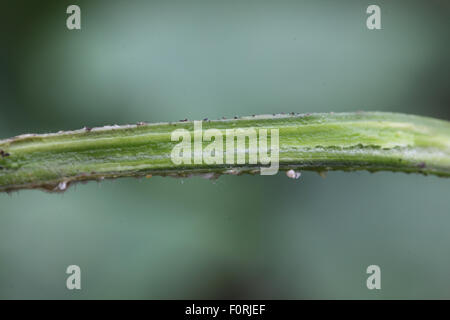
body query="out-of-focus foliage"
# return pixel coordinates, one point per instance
(240, 237)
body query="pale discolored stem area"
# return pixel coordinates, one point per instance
(371, 141)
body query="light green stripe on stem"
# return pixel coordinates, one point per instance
(344, 141)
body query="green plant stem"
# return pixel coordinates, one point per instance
(344, 141)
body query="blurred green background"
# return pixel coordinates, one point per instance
(239, 237)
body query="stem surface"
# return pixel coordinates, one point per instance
(371, 141)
